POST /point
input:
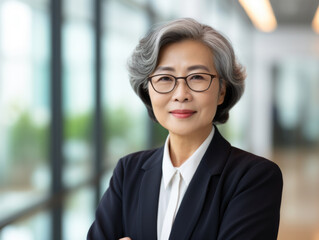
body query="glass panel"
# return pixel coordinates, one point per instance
(125, 114)
(296, 144)
(164, 8)
(82, 11)
(171, 9)
(36, 228)
(144, 2)
(78, 215)
(296, 125)
(78, 82)
(24, 105)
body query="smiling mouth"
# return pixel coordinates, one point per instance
(182, 113)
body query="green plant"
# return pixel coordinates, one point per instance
(28, 141)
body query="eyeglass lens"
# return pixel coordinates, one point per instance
(164, 83)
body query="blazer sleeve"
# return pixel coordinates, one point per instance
(108, 217)
(254, 209)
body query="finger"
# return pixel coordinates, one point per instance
(126, 238)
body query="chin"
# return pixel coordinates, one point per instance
(183, 129)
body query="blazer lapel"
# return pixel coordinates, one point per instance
(149, 195)
(212, 163)
(191, 205)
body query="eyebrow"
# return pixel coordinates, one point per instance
(191, 68)
(195, 67)
(164, 68)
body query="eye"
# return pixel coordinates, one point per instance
(164, 78)
(197, 77)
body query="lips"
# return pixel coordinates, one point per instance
(182, 113)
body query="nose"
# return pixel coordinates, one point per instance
(181, 93)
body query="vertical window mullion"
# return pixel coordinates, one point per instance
(98, 126)
(56, 135)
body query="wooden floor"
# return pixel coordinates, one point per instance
(300, 203)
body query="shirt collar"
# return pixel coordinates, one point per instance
(188, 168)
(167, 167)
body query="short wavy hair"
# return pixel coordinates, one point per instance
(144, 61)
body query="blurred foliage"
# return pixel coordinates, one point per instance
(79, 127)
(28, 141)
(117, 122)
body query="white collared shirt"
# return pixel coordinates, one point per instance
(186, 170)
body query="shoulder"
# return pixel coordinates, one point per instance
(246, 169)
(233, 163)
(131, 167)
(141, 159)
(247, 161)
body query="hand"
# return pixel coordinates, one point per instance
(126, 238)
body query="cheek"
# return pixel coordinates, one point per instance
(210, 106)
(158, 104)
(156, 107)
(210, 111)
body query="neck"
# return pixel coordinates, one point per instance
(181, 147)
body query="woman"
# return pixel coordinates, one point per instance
(197, 186)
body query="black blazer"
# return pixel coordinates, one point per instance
(233, 195)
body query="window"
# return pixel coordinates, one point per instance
(24, 105)
(78, 83)
(125, 115)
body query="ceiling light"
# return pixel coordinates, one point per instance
(315, 21)
(260, 13)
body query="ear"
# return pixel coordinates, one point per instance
(222, 93)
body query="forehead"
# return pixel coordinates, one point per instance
(186, 52)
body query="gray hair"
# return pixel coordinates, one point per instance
(144, 60)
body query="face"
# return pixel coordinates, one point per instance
(185, 112)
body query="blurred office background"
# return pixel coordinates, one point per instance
(67, 111)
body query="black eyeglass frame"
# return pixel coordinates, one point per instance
(185, 78)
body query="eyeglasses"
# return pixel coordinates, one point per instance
(197, 82)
